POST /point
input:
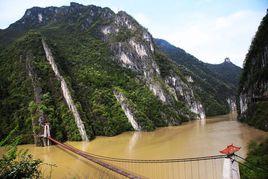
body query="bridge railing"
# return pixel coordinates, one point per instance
(103, 165)
(209, 167)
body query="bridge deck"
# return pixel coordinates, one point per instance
(197, 167)
(95, 160)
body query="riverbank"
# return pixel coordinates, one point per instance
(191, 139)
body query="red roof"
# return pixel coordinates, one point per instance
(230, 149)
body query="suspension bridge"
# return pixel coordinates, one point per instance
(209, 167)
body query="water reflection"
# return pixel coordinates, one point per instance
(203, 121)
(133, 141)
(196, 138)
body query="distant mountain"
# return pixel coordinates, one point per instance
(253, 85)
(227, 71)
(89, 71)
(219, 80)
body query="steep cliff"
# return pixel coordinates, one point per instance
(215, 84)
(65, 92)
(31, 93)
(253, 87)
(227, 72)
(100, 73)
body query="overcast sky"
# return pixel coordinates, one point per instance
(208, 29)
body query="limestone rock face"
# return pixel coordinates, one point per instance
(131, 45)
(127, 110)
(136, 52)
(66, 93)
(232, 103)
(102, 73)
(183, 91)
(253, 89)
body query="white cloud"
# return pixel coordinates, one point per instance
(212, 39)
(208, 38)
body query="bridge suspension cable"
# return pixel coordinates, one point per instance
(95, 160)
(252, 165)
(197, 167)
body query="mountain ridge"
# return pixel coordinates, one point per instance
(109, 70)
(253, 84)
(226, 74)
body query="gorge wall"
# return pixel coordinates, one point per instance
(101, 73)
(253, 87)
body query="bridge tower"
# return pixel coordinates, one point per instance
(230, 166)
(46, 134)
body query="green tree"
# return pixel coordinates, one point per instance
(17, 164)
(256, 165)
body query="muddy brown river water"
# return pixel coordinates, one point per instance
(192, 139)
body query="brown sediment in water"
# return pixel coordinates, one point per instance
(192, 139)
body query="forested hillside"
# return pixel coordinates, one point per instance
(89, 71)
(253, 86)
(214, 83)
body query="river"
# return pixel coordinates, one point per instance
(191, 139)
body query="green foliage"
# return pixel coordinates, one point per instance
(213, 84)
(256, 115)
(17, 105)
(254, 65)
(110, 119)
(87, 65)
(257, 161)
(18, 164)
(21, 166)
(228, 73)
(135, 101)
(214, 108)
(62, 122)
(254, 79)
(17, 90)
(123, 35)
